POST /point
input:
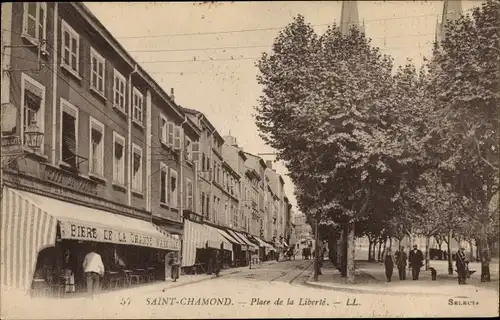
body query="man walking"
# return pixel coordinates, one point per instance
(93, 267)
(401, 263)
(416, 260)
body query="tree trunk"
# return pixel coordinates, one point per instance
(343, 270)
(450, 266)
(370, 249)
(471, 244)
(427, 252)
(390, 243)
(350, 254)
(374, 252)
(485, 254)
(379, 258)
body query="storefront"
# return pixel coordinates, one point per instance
(264, 248)
(201, 242)
(45, 239)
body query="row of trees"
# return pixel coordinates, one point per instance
(382, 153)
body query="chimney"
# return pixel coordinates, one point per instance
(269, 164)
(230, 140)
(172, 94)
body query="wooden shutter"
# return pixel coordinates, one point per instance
(177, 137)
(195, 151)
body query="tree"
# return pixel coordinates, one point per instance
(464, 80)
(326, 108)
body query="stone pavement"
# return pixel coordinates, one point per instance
(370, 278)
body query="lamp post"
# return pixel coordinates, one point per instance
(33, 139)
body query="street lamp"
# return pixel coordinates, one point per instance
(33, 137)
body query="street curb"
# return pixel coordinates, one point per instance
(312, 284)
(352, 290)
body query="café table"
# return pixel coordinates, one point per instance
(128, 279)
(140, 273)
(151, 274)
(112, 278)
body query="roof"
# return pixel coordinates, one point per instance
(260, 160)
(205, 119)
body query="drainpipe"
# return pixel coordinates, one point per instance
(55, 69)
(129, 151)
(148, 152)
(213, 171)
(181, 163)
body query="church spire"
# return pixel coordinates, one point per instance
(451, 12)
(349, 17)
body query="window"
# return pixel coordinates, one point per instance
(213, 208)
(188, 148)
(96, 153)
(137, 100)
(177, 137)
(207, 203)
(203, 203)
(70, 48)
(136, 168)
(163, 125)
(173, 188)
(189, 194)
(195, 152)
(33, 98)
(68, 133)
(119, 91)
(118, 159)
(97, 71)
(163, 183)
(35, 22)
(170, 133)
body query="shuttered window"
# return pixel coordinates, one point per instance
(69, 136)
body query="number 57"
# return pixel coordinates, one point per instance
(125, 301)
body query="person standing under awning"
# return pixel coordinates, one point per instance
(93, 267)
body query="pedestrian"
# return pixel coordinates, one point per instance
(93, 267)
(175, 265)
(217, 263)
(416, 260)
(462, 265)
(401, 263)
(389, 264)
(169, 260)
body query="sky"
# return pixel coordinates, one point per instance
(207, 52)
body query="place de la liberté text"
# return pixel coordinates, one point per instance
(204, 301)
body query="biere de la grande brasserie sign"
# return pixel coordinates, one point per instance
(87, 232)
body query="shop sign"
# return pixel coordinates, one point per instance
(69, 180)
(88, 232)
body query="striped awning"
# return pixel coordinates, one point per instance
(25, 230)
(229, 237)
(264, 244)
(83, 223)
(29, 224)
(244, 239)
(198, 236)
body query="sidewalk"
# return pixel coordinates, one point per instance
(370, 278)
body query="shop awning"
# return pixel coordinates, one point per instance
(264, 244)
(88, 224)
(26, 229)
(229, 237)
(199, 236)
(243, 238)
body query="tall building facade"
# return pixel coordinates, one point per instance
(94, 151)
